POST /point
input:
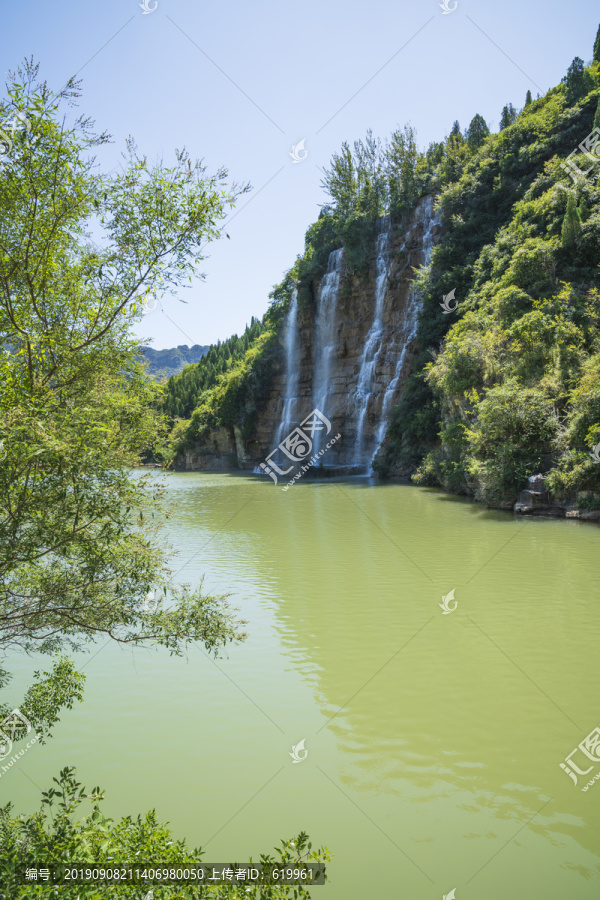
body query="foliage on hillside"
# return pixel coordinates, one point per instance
(371, 180)
(378, 178)
(515, 382)
(164, 363)
(235, 397)
(184, 390)
(513, 387)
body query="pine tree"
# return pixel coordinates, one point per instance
(597, 46)
(509, 115)
(575, 81)
(456, 132)
(477, 131)
(571, 225)
(528, 98)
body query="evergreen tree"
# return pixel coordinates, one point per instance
(456, 132)
(571, 225)
(509, 115)
(477, 131)
(183, 391)
(528, 98)
(597, 116)
(576, 81)
(597, 46)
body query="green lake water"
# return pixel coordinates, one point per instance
(434, 741)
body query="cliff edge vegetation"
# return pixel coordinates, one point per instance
(508, 384)
(505, 379)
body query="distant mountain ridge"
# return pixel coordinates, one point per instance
(171, 361)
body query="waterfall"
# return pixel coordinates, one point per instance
(289, 412)
(429, 219)
(372, 348)
(325, 336)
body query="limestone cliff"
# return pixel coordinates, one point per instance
(346, 352)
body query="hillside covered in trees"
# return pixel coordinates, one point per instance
(508, 384)
(184, 391)
(173, 359)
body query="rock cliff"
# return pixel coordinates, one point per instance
(346, 352)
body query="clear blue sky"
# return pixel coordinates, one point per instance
(238, 83)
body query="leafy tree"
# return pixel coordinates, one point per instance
(42, 702)
(512, 430)
(529, 316)
(528, 98)
(370, 175)
(80, 545)
(597, 46)
(509, 115)
(571, 225)
(402, 157)
(355, 180)
(340, 181)
(477, 131)
(58, 835)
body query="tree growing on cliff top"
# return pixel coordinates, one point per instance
(577, 81)
(81, 550)
(509, 115)
(477, 131)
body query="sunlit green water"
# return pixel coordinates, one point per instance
(434, 741)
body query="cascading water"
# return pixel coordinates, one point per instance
(372, 348)
(429, 219)
(289, 412)
(380, 357)
(326, 336)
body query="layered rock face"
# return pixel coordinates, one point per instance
(347, 356)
